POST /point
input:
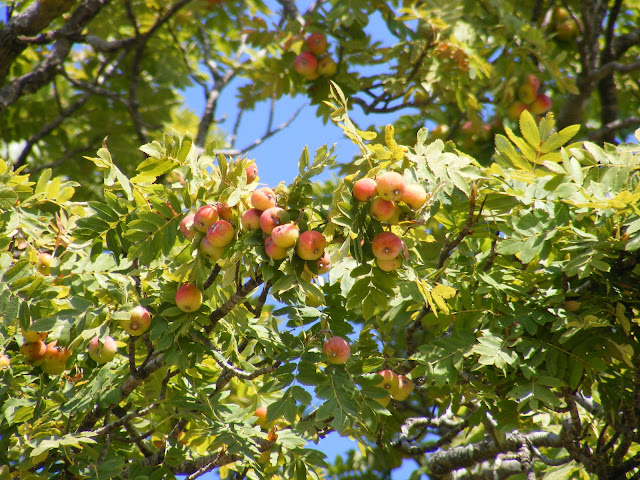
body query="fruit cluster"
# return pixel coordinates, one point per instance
(398, 387)
(280, 235)
(563, 25)
(315, 61)
(529, 99)
(384, 192)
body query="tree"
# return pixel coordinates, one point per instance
(511, 306)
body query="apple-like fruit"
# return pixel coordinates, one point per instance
(221, 233)
(55, 359)
(261, 413)
(365, 189)
(541, 105)
(102, 352)
(515, 110)
(572, 305)
(468, 128)
(386, 245)
(187, 226)
(567, 31)
(317, 43)
(306, 65)
(252, 172)
(5, 361)
(44, 263)
(337, 350)
(381, 209)
(327, 67)
(310, 245)
(209, 250)
(263, 198)
(250, 219)
(188, 298)
(391, 186)
(414, 196)
(389, 265)
(34, 351)
(527, 93)
(389, 383)
(272, 250)
(404, 389)
(138, 323)
(273, 217)
(31, 336)
(225, 212)
(440, 131)
(205, 217)
(286, 235)
(324, 264)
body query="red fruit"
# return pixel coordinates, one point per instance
(205, 217)
(414, 196)
(317, 43)
(541, 105)
(527, 93)
(389, 383)
(285, 236)
(188, 298)
(251, 219)
(263, 198)
(389, 265)
(337, 350)
(225, 212)
(252, 172)
(310, 245)
(381, 209)
(391, 186)
(261, 413)
(209, 250)
(102, 352)
(271, 218)
(516, 109)
(138, 323)
(187, 226)
(324, 264)
(274, 251)
(365, 189)
(221, 233)
(306, 65)
(386, 246)
(55, 359)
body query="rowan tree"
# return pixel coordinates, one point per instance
(491, 268)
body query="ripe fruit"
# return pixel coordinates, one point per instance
(285, 236)
(44, 263)
(541, 105)
(225, 212)
(250, 219)
(205, 217)
(251, 172)
(310, 245)
(389, 383)
(187, 226)
(138, 323)
(317, 43)
(381, 209)
(261, 413)
(102, 352)
(221, 233)
(5, 361)
(324, 264)
(273, 217)
(365, 189)
(567, 31)
(209, 250)
(405, 387)
(527, 93)
(414, 196)
(337, 350)
(306, 65)
(389, 265)
(327, 67)
(391, 186)
(386, 246)
(516, 109)
(263, 198)
(188, 298)
(34, 351)
(31, 336)
(55, 359)
(272, 250)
